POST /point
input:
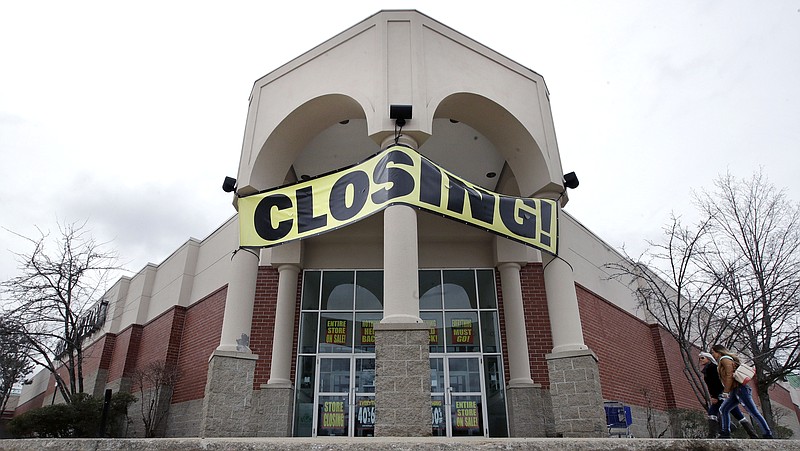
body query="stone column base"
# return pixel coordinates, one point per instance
(576, 394)
(530, 413)
(402, 380)
(229, 394)
(272, 415)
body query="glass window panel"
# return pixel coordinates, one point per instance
(337, 290)
(490, 336)
(495, 397)
(365, 375)
(332, 415)
(304, 397)
(334, 375)
(308, 333)
(465, 375)
(486, 289)
(459, 289)
(437, 375)
(336, 332)
(369, 290)
(436, 340)
(310, 290)
(430, 290)
(461, 332)
(365, 331)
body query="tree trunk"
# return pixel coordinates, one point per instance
(766, 404)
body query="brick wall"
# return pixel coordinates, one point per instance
(202, 326)
(160, 340)
(37, 401)
(263, 325)
(626, 352)
(537, 321)
(93, 355)
(126, 349)
(681, 389)
(780, 395)
(640, 363)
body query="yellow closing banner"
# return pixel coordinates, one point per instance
(397, 175)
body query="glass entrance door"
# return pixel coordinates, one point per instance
(345, 396)
(457, 401)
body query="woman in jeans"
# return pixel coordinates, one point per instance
(715, 388)
(734, 393)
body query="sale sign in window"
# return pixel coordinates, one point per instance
(466, 414)
(462, 331)
(336, 331)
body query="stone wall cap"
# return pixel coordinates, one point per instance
(572, 354)
(402, 326)
(395, 443)
(234, 354)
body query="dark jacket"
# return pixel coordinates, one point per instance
(711, 377)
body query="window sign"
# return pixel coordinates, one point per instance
(462, 330)
(367, 332)
(365, 417)
(466, 414)
(336, 331)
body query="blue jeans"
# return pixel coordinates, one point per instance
(744, 395)
(713, 411)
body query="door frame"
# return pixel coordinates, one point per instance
(351, 395)
(447, 394)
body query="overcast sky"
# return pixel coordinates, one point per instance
(131, 114)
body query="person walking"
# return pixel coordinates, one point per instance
(714, 384)
(734, 393)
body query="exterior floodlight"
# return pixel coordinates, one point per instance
(400, 113)
(229, 184)
(571, 180)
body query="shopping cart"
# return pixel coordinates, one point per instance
(618, 419)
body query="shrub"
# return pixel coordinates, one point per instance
(688, 423)
(81, 418)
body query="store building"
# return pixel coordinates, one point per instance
(404, 322)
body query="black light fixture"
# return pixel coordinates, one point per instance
(400, 113)
(229, 184)
(571, 180)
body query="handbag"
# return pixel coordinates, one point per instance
(744, 373)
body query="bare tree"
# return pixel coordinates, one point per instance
(57, 300)
(673, 289)
(754, 255)
(14, 361)
(156, 382)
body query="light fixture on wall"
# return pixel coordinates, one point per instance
(229, 184)
(400, 114)
(571, 180)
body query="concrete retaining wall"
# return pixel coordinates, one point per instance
(396, 444)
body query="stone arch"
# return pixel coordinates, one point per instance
(294, 132)
(526, 163)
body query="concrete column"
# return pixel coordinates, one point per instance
(280, 368)
(400, 265)
(575, 391)
(519, 365)
(402, 363)
(562, 305)
(239, 303)
(400, 259)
